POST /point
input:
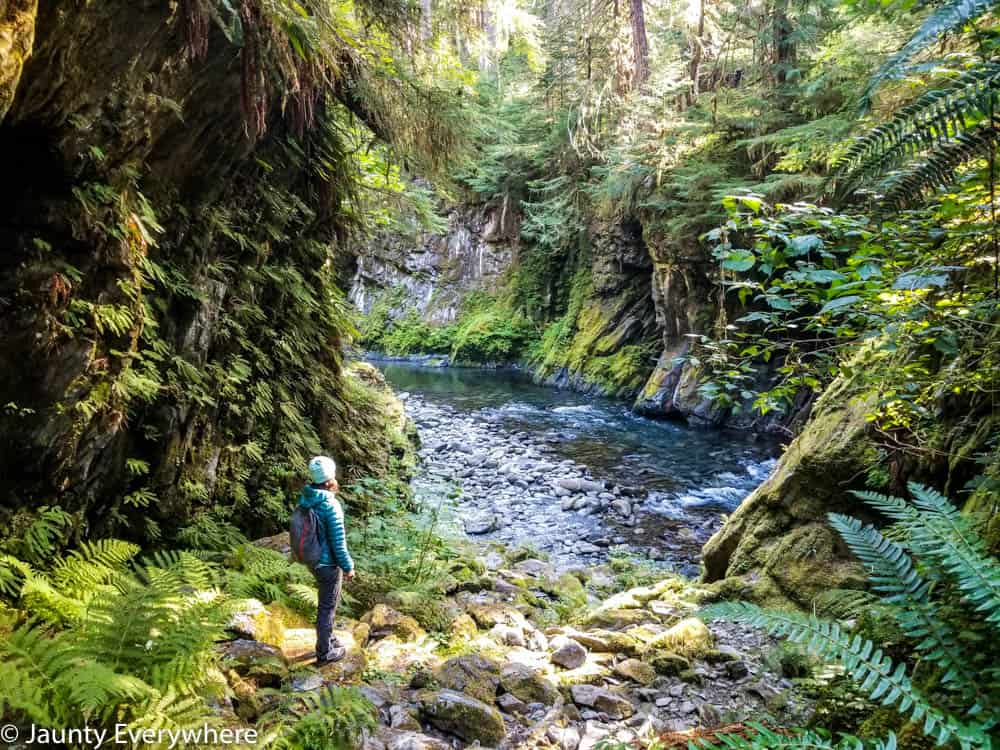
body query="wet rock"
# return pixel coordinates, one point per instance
(567, 653)
(736, 670)
(462, 716)
(527, 684)
(636, 671)
(614, 705)
(385, 621)
(471, 674)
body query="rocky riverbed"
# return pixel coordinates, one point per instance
(629, 666)
(517, 489)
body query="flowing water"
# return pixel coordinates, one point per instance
(688, 477)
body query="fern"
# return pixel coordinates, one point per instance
(935, 117)
(894, 575)
(937, 530)
(113, 640)
(931, 550)
(949, 17)
(763, 738)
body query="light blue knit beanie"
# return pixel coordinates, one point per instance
(322, 469)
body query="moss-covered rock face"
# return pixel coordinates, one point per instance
(778, 540)
(169, 315)
(17, 35)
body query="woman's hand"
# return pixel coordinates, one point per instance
(349, 575)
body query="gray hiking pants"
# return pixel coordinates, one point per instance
(328, 580)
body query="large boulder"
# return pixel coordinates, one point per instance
(779, 538)
(471, 674)
(462, 716)
(527, 684)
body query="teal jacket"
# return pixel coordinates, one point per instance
(331, 516)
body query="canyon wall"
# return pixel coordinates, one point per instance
(170, 338)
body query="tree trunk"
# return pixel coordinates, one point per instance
(697, 53)
(783, 54)
(640, 45)
(426, 25)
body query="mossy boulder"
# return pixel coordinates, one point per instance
(778, 538)
(471, 674)
(667, 662)
(463, 716)
(636, 671)
(263, 663)
(527, 684)
(689, 638)
(385, 621)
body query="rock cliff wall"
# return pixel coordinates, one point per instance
(161, 278)
(434, 272)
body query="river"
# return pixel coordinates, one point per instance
(576, 476)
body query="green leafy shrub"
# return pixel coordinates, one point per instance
(933, 571)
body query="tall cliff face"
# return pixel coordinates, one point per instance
(432, 273)
(169, 328)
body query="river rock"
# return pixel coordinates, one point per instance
(564, 738)
(402, 739)
(483, 524)
(385, 621)
(462, 716)
(527, 684)
(567, 653)
(471, 674)
(614, 705)
(636, 671)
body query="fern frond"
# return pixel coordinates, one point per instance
(949, 17)
(763, 738)
(868, 666)
(938, 168)
(894, 575)
(844, 604)
(936, 529)
(935, 117)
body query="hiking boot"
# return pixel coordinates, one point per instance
(335, 654)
